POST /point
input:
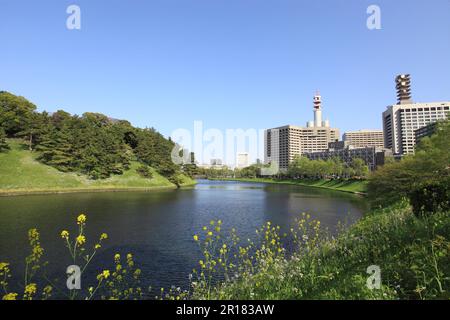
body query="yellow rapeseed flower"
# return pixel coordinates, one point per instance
(81, 240)
(31, 289)
(103, 236)
(65, 234)
(117, 257)
(3, 265)
(195, 237)
(10, 296)
(105, 274)
(210, 233)
(81, 219)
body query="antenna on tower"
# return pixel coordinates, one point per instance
(317, 101)
(403, 86)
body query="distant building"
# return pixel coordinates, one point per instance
(365, 138)
(426, 131)
(372, 156)
(242, 160)
(216, 162)
(282, 144)
(400, 121)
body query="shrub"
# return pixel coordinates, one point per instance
(145, 172)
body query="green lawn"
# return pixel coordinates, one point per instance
(21, 173)
(354, 186)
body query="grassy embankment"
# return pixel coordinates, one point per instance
(412, 253)
(353, 186)
(21, 173)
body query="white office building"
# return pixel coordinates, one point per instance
(282, 144)
(400, 121)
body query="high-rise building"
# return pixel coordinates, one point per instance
(400, 121)
(364, 138)
(242, 160)
(282, 144)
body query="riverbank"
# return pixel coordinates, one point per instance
(404, 256)
(21, 174)
(350, 186)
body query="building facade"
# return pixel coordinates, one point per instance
(372, 156)
(364, 138)
(282, 144)
(400, 121)
(242, 160)
(426, 131)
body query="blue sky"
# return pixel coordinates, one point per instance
(230, 63)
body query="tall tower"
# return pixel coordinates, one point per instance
(403, 86)
(317, 100)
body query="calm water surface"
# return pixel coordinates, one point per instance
(157, 227)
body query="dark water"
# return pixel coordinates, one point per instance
(157, 227)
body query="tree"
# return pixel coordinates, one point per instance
(145, 172)
(15, 113)
(423, 178)
(56, 150)
(360, 169)
(3, 144)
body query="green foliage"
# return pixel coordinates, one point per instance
(154, 150)
(144, 171)
(424, 178)
(304, 168)
(3, 144)
(15, 113)
(413, 256)
(91, 144)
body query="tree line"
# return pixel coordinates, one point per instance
(422, 178)
(300, 168)
(92, 144)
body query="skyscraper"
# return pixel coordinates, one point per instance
(282, 144)
(402, 119)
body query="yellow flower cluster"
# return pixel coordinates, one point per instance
(65, 234)
(81, 219)
(10, 296)
(104, 275)
(30, 289)
(81, 240)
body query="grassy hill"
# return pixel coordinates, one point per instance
(353, 186)
(20, 172)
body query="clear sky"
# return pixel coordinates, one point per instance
(230, 63)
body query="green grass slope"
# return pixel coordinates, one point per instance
(354, 186)
(412, 253)
(21, 173)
